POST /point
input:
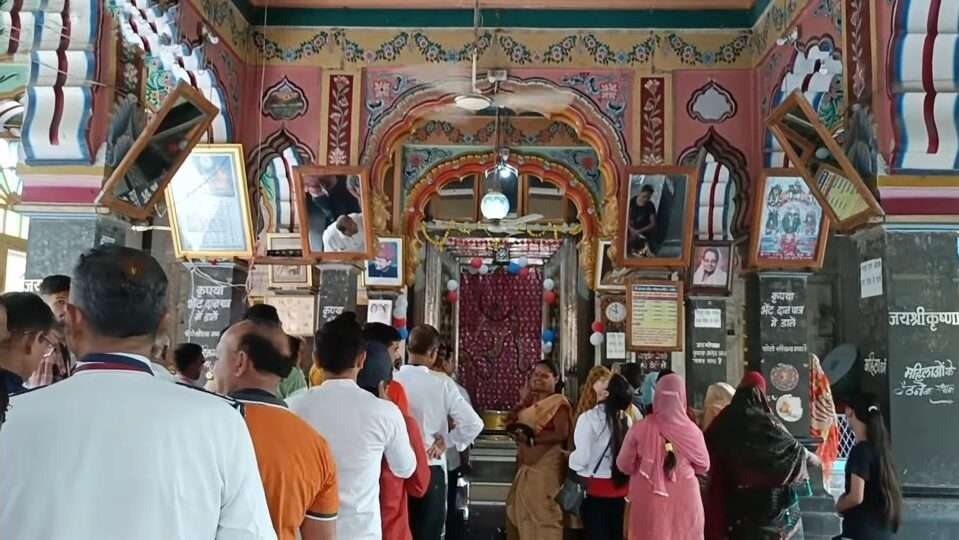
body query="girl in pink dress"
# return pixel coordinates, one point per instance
(663, 453)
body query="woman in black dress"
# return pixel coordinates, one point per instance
(871, 507)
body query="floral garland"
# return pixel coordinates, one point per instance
(435, 52)
(271, 50)
(455, 226)
(604, 54)
(690, 54)
(353, 52)
(555, 53)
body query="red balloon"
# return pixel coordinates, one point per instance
(524, 271)
(399, 323)
(452, 297)
(476, 262)
(598, 326)
(549, 297)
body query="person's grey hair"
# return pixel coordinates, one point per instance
(121, 291)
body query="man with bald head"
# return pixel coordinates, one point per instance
(296, 466)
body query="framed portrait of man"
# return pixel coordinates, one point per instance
(711, 268)
(385, 269)
(333, 203)
(656, 216)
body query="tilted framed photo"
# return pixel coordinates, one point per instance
(333, 205)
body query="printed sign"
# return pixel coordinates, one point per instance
(870, 278)
(655, 315)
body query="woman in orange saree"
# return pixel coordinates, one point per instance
(541, 426)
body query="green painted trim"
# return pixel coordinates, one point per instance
(509, 18)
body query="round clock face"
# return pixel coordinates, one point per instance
(616, 312)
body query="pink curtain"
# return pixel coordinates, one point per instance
(500, 333)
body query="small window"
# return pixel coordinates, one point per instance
(546, 199)
(456, 200)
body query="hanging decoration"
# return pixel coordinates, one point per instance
(548, 284)
(483, 270)
(599, 326)
(476, 263)
(596, 339)
(452, 297)
(513, 268)
(549, 336)
(524, 272)
(550, 297)
(452, 285)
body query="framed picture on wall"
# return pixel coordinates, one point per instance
(385, 269)
(334, 205)
(655, 315)
(711, 268)
(656, 216)
(209, 205)
(607, 277)
(283, 276)
(822, 163)
(789, 229)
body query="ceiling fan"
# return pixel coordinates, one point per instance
(471, 97)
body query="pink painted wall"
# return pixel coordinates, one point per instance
(257, 127)
(882, 97)
(737, 130)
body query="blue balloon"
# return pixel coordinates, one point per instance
(549, 335)
(513, 268)
(404, 333)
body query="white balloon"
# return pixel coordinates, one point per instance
(596, 339)
(399, 312)
(523, 262)
(484, 270)
(401, 300)
(548, 284)
(547, 347)
(452, 285)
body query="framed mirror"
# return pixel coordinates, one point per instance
(138, 181)
(656, 216)
(333, 209)
(812, 151)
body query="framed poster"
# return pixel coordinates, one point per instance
(149, 162)
(655, 315)
(298, 313)
(380, 310)
(283, 276)
(820, 160)
(385, 269)
(208, 204)
(335, 202)
(607, 277)
(656, 216)
(711, 270)
(790, 229)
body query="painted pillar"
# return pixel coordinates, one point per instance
(214, 298)
(337, 291)
(57, 240)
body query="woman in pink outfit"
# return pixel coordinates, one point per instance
(663, 453)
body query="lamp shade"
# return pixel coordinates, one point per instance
(494, 205)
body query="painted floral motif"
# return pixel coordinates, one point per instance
(582, 161)
(832, 10)
(340, 120)
(417, 160)
(271, 50)
(435, 52)
(159, 82)
(606, 90)
(224, 16)
(690, 54)
(353, 52)
(859, 47)
(557, 53)
(604, 54)
(512, 135)
(653, 136)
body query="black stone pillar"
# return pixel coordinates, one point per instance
(57, 240)
(336, 292)
(705, 347)
(215, 298)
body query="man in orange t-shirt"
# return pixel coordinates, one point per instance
(296, 465)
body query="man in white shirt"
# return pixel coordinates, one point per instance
(345, 235)
(434, 402)
(709, 273)
(359, 427)
(114, 453)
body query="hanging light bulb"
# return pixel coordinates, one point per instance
(494, 205)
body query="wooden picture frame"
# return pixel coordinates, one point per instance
(209, 205)
(678, 226)
(288, 276)
(132, 191)
(601, 270)
(812, 151)
(339, 192)
(385, 269)
(655, 299)
(719, 282)
(787, 190)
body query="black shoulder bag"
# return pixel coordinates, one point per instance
(571, 495)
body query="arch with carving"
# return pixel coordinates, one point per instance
(430, 184)
(414, 109)
(734, 160)
(281, 151)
